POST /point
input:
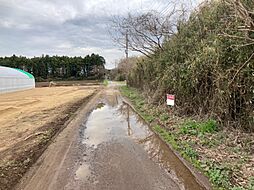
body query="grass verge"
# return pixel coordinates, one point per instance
(226, 160)
(105, 82)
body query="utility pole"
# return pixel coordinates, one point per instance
(127, 55)
(127, 46)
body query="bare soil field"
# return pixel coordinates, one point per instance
(28, 121)
(69, 83)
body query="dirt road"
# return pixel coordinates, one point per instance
(107, 146)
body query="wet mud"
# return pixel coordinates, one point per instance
(109, 147)
(113, 125)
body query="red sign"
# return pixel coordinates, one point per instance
(170, 100)
(170, 97)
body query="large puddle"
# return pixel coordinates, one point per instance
(110, 121)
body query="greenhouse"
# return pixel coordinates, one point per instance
(15, 79)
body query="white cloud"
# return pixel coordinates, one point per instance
(65, 27)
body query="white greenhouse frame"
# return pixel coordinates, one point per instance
(12, 80)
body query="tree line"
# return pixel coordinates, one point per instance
(58, 67)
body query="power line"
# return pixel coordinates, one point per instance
(152, 5)
(160, 7)
(166, 9)
(155, 6)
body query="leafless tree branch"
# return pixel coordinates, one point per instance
(146, 32)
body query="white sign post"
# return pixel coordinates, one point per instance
(170, 100)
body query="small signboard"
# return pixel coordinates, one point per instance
(170, 100)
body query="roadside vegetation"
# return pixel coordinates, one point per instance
(105, 82)
(208, 64)
(226, 161)
(206, 59)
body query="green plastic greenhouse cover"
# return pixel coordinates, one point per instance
(26, 73)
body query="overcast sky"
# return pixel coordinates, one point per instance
(66, 27)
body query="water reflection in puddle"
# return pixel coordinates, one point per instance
(110, 121)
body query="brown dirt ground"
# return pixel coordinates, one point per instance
(69, 83)
(28, 121)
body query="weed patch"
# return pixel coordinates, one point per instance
(105, 82)
(198, 128)
(202, 143)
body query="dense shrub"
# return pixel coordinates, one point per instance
(207, 65)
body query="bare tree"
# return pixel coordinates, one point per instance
(146, 32)
(125, 66)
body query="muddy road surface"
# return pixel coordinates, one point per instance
(108, 147)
